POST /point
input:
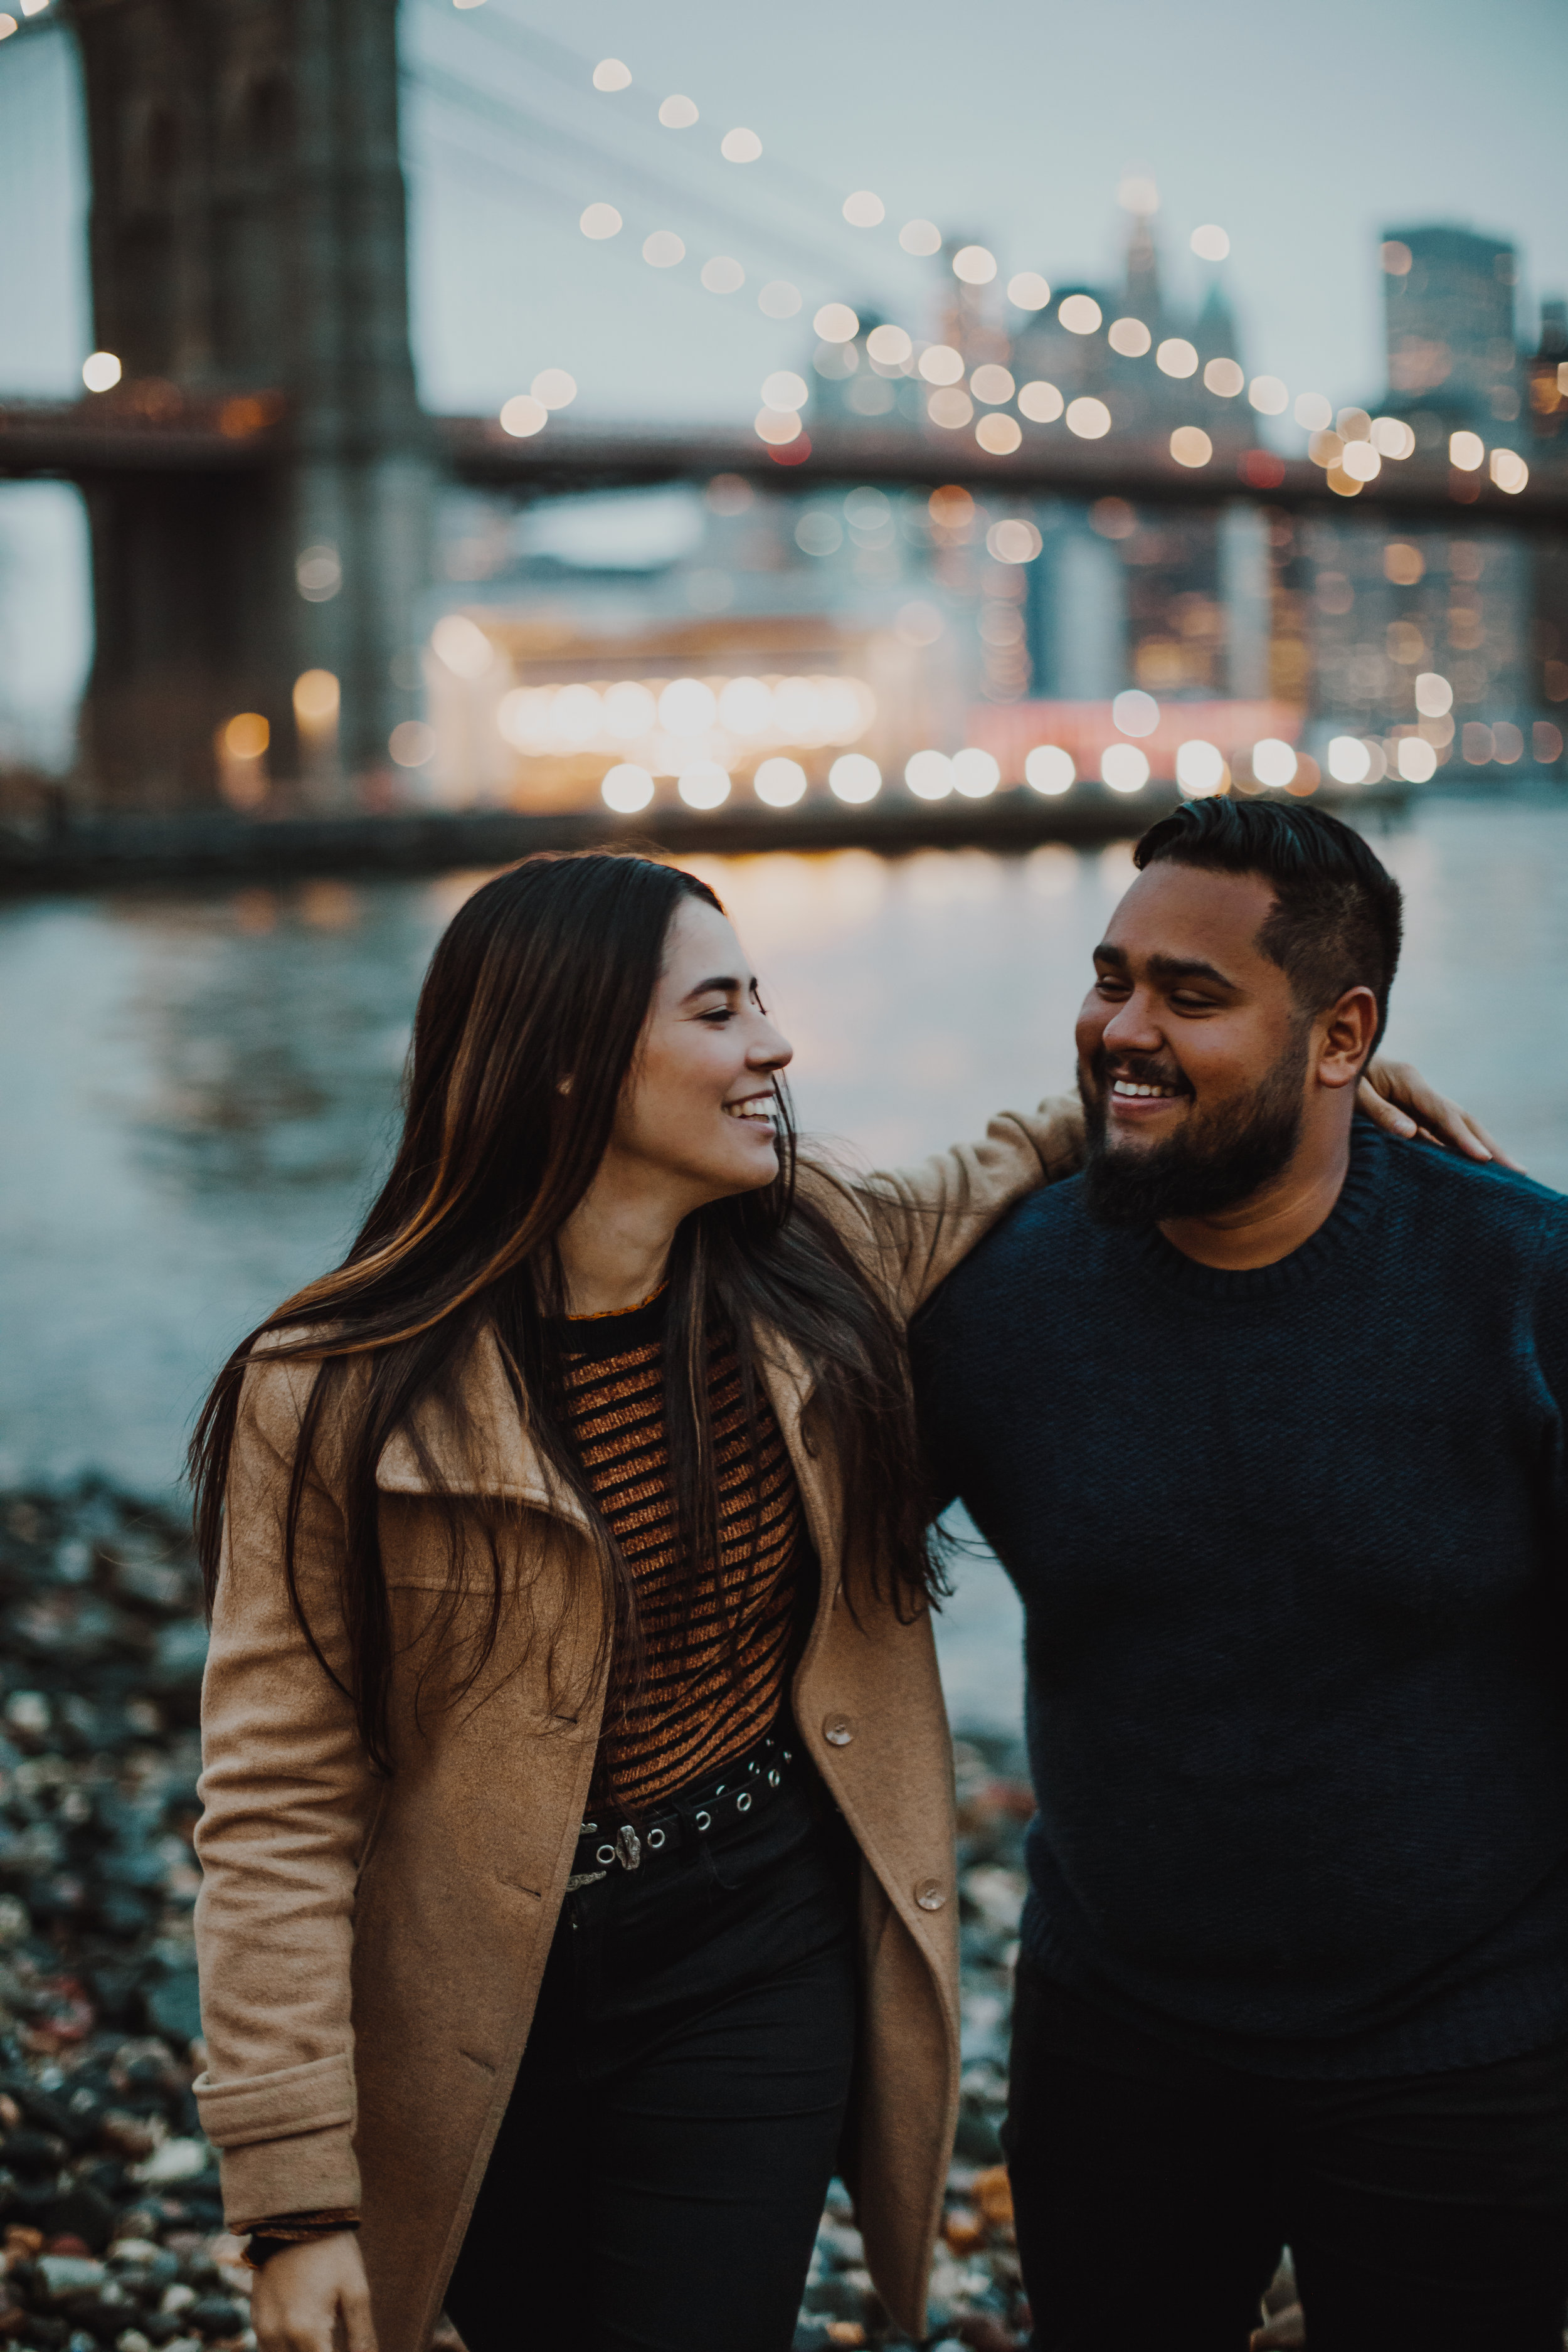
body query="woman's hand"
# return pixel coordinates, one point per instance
(1397, 1095)
(313, 2297)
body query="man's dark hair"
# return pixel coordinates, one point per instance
(1335, 922)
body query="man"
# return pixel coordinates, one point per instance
(1263, 1413)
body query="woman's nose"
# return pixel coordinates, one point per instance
(770, 1049)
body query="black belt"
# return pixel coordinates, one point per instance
(748, 1783)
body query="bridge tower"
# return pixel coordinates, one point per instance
(247, 244)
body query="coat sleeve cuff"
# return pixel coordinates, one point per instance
(312, 2097)
(311, 2172)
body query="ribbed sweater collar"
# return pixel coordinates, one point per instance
(1361, 1196)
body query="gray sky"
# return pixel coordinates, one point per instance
(1303, 133)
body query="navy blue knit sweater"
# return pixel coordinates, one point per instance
(1292, 1548)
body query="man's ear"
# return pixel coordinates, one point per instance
(1348, 1029)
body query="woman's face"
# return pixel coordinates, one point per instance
(698, 1107)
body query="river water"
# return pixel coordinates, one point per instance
(200, 1087)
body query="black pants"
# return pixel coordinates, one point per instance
(1154, 2191)
(660, 2172)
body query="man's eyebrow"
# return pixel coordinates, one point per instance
(1166, 967)
(724, 984)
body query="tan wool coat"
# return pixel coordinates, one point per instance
(371, 1948)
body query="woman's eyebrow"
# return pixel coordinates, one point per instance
(724, 983)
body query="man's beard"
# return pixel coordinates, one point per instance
(1210, 1164)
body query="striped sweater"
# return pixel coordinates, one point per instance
(717, 1647)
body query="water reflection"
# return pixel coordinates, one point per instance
(203, 1086)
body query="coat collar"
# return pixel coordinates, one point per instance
(476, 1444)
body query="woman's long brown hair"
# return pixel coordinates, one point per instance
(547, 973)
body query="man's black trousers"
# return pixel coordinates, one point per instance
(660, 2172)
(1154, 2191)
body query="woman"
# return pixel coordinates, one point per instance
(578, 1834)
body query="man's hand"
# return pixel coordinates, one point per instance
(1397, 1095)
(313, 2297)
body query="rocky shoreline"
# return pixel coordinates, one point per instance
(110, 2220)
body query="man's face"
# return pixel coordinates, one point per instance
(1193, 1052)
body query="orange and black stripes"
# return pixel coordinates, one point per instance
(716, 1647)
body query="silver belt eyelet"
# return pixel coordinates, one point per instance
(704, 1821)
(772, 1779)
(743, 1802)
(605, 1854)
(655, 1839)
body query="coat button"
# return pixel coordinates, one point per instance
(929, 1894)
(837, 1730)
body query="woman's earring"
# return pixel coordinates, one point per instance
(563, 1086)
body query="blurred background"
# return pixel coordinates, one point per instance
(886, 459)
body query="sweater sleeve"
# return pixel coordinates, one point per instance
(288, 1795)
(910, 1226)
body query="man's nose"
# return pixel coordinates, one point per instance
(1132, 1028)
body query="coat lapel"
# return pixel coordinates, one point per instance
(476, 1443)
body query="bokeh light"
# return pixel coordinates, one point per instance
(928, 775)
(1325, 448)
(1225, 378)
(1040, 402)
(1466, 451)
(835, 322)
(992, 383)
(1353, 425)
(975, 774)
(1014, 540)
(1509, 470)
(247, 736)
(1350, 761)
(1418, 760)
(523, 414)
(1027, 290)
(1176, 357)
(1434, 695)
(1200, 767)
(920, 236)
(626, 788)
(864, 210)
(1361, 461)
(1080, 314)
(889, 345)
(855, 778)
(783, 389)
(1138, 193)
(611, 74)
(100, 372)
(1396, 257)
(553, 388)
(950, 408)
(663, 249)
(687, 706)
(1191, 446)
(629, 709)
(678, 113)
(779, 299)
(1210, 243)
(974, 264)
(462, 645)
(1135, 712)
(1273, 761)
(1403, 564)
(778, 426)
(1268, 396)
(740, 146)
(1392, 437)
(1049, 770)
(1131, 337)
(1088, 418)
(942, 365)
(723, 275)
(1123, 767)
(999, 435)
(1312, 412)
(600, 221)
(411, 742)
(704, 785)
(316, 700)
(779, 782)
